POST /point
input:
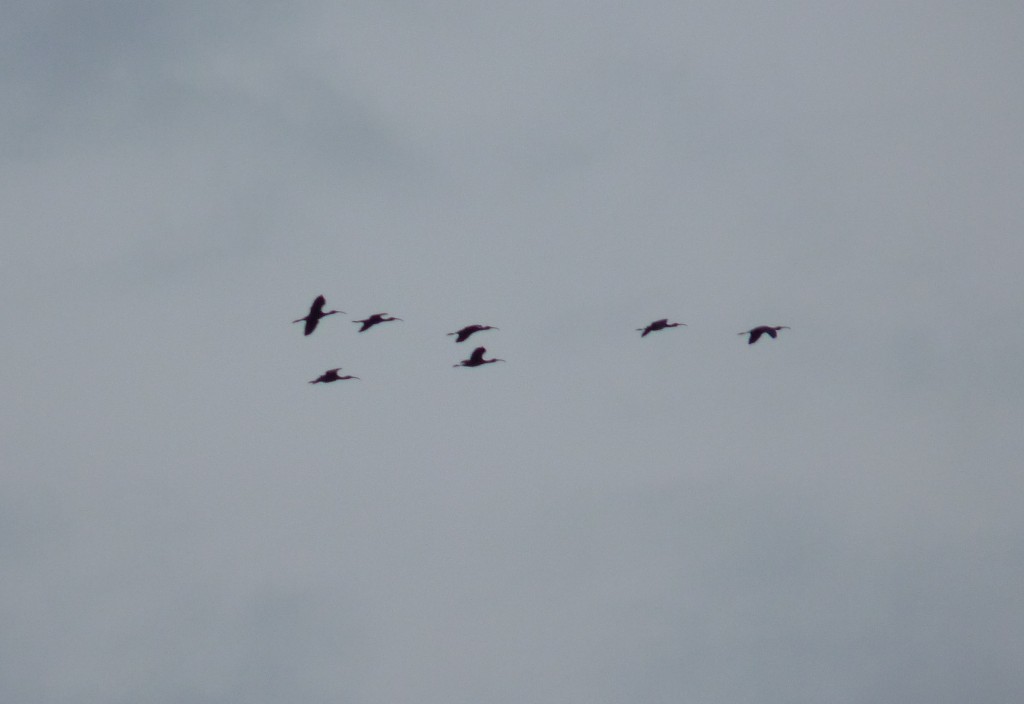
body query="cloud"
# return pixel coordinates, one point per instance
(831, 515)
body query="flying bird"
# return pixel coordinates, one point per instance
(769, 330)
(658, 325)
(465, 332)
(476, 359)
(331, 375)
(374, 320)
(316, 311)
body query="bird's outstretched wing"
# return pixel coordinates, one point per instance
(318, 305)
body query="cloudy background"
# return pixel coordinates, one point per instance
(832, 516)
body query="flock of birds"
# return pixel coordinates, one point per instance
(476, 359)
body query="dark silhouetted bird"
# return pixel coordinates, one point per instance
(331, 375)
(465, 332)
(476, 359)
(316, 311)
(769, 330)
(374, 320)
(658, 325)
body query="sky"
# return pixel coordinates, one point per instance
(833, 516)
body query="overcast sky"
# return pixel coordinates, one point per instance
(832, 516)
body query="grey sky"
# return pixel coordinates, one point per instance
(832, 516)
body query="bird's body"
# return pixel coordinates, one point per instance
(476, 359)
(316, 312)
(374, 319)
(771, 331)
(465, 332)
(658, 325)
(331, 375)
